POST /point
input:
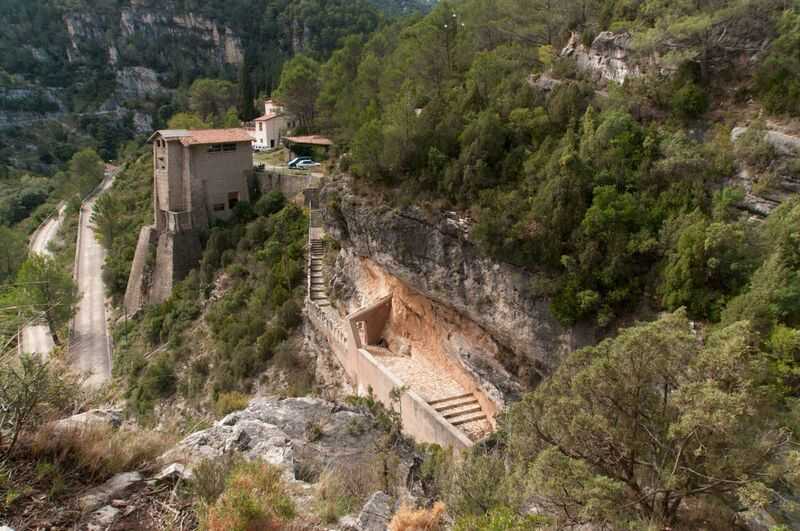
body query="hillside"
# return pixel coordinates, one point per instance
(546, 277)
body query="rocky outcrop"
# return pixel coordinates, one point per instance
(95, 418)
(114, 488)
(136, 82)
(432, 253)
(293, 434)
(608, 58)
(765, 190)
(374, 516)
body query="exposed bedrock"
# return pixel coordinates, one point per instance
(433, 255)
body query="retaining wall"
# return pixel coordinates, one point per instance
(290, 184)
(419, 420)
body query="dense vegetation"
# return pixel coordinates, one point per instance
(618, 202)
(258, 262)
(605, 197)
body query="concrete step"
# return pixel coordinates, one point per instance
(459, 414)
(450, 399)
(449, 406)
(476, 418)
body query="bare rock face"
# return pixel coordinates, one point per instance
(138, 82)
(287, 433)
(607, 58)
(782, 181)
(433, 255)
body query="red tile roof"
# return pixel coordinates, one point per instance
(216, 136)
(314, 140)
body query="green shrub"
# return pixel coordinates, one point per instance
(255, 497)
(778, 77)
(689, 101)
(271, 203)
(754, 148)
(500, 519)
(208, 477)
(230, 402)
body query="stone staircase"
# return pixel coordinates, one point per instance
(462, 411)
(318, 292)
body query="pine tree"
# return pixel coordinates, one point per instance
(246, 109)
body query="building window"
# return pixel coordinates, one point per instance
(260, 126)
(233, 199)
(272, 143)
(219, 207)
(162, 165)
(217, 148)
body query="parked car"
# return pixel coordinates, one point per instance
(305, 164)
(297, 160)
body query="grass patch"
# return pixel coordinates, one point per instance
(255, 497)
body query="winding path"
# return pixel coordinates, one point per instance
(90, 351)
(37, 338)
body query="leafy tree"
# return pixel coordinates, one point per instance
(12, 252)
(707, 264)
(211, 98)
(640, 423)
(778, 77)
(299, 88)
(46, 289)
(86, 170)
(367, 149)
(28, 386)
(106, 219)
(187, 120)
(247, 95)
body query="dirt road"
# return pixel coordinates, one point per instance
(37, 339)
(89, 341)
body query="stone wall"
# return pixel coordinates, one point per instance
(290, 184)
(139, 278)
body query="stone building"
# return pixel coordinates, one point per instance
(198, 176)
(270, 127)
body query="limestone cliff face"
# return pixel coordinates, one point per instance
(608, 58)
(432, 254)
(88, 32)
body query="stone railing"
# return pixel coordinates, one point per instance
(325, 324)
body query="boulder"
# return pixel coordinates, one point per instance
(277, 431)
(104, 516)
(376, 513)
(173, 472)
(374, 516)
(115, 487)
(93, 418)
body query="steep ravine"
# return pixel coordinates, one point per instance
(432, 254)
